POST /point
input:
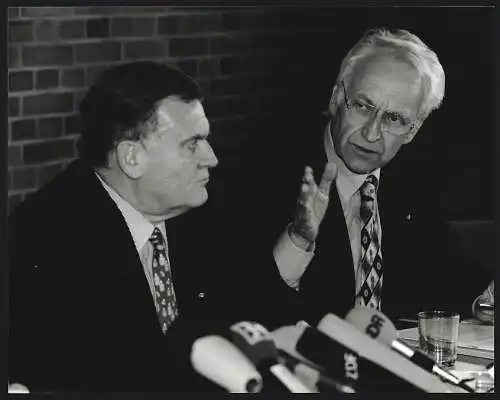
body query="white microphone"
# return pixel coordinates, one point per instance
(370, 349)
(378, 326)
(221, 362)
(257, 344)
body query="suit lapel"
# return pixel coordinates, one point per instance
(114, 243)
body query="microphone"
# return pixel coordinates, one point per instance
(379, 355)
(221, 362)
(346, 358)
(312, 376)
(253, 340)
(378, 326)
(322, 352)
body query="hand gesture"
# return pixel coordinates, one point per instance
(312, 205)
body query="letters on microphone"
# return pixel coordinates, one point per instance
(373, 329)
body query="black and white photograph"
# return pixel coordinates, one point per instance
(250, 199)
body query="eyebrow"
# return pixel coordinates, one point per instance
(198, 136)
(371, 103)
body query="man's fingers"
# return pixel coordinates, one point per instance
(329, 175)
(308, 183)
(304, 194)
(308, 176)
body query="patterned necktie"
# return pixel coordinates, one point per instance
(166, 305)
(369, 275)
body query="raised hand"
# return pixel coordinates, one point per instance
(311, 206)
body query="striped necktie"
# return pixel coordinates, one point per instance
(166, 305)
(369, 274)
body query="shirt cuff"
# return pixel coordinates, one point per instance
(291, 261)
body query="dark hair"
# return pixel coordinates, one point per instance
(122, 104)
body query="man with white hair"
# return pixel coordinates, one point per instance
(381, 244)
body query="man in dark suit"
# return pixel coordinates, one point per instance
(370, 233)
(109, 282)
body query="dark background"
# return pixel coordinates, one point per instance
(261, 69)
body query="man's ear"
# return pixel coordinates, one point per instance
(334, 100)
(413, 132)
(131, 158)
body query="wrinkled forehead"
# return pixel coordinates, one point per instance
(388, 81)
(385, 67)
(174, 111)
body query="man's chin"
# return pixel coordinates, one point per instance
(200, 199)
(361, 168)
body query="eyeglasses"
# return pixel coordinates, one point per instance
(391, 121)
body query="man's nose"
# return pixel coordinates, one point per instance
(371, 130)
(209, 159)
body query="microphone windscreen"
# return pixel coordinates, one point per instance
(373, 323)
(221, 362)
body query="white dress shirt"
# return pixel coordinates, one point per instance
(141, 230)
(292, 262)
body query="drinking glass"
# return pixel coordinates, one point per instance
(438, 335)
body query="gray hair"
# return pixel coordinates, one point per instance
(412, 49)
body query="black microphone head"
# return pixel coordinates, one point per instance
(254, 341)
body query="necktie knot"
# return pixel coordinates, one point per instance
(156, 238)
(369, 187)
(368, 191)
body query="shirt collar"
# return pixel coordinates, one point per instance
(347, 181)
(140, 228)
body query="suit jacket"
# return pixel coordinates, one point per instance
(81, 312)
(424, 267)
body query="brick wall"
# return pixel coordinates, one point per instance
(257, 67)
(55, 53)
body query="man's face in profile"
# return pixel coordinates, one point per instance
(178, 158)
(391, 89)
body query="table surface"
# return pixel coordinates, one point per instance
(474, 339)
(466, 366)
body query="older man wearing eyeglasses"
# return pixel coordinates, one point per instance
(381, 244)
